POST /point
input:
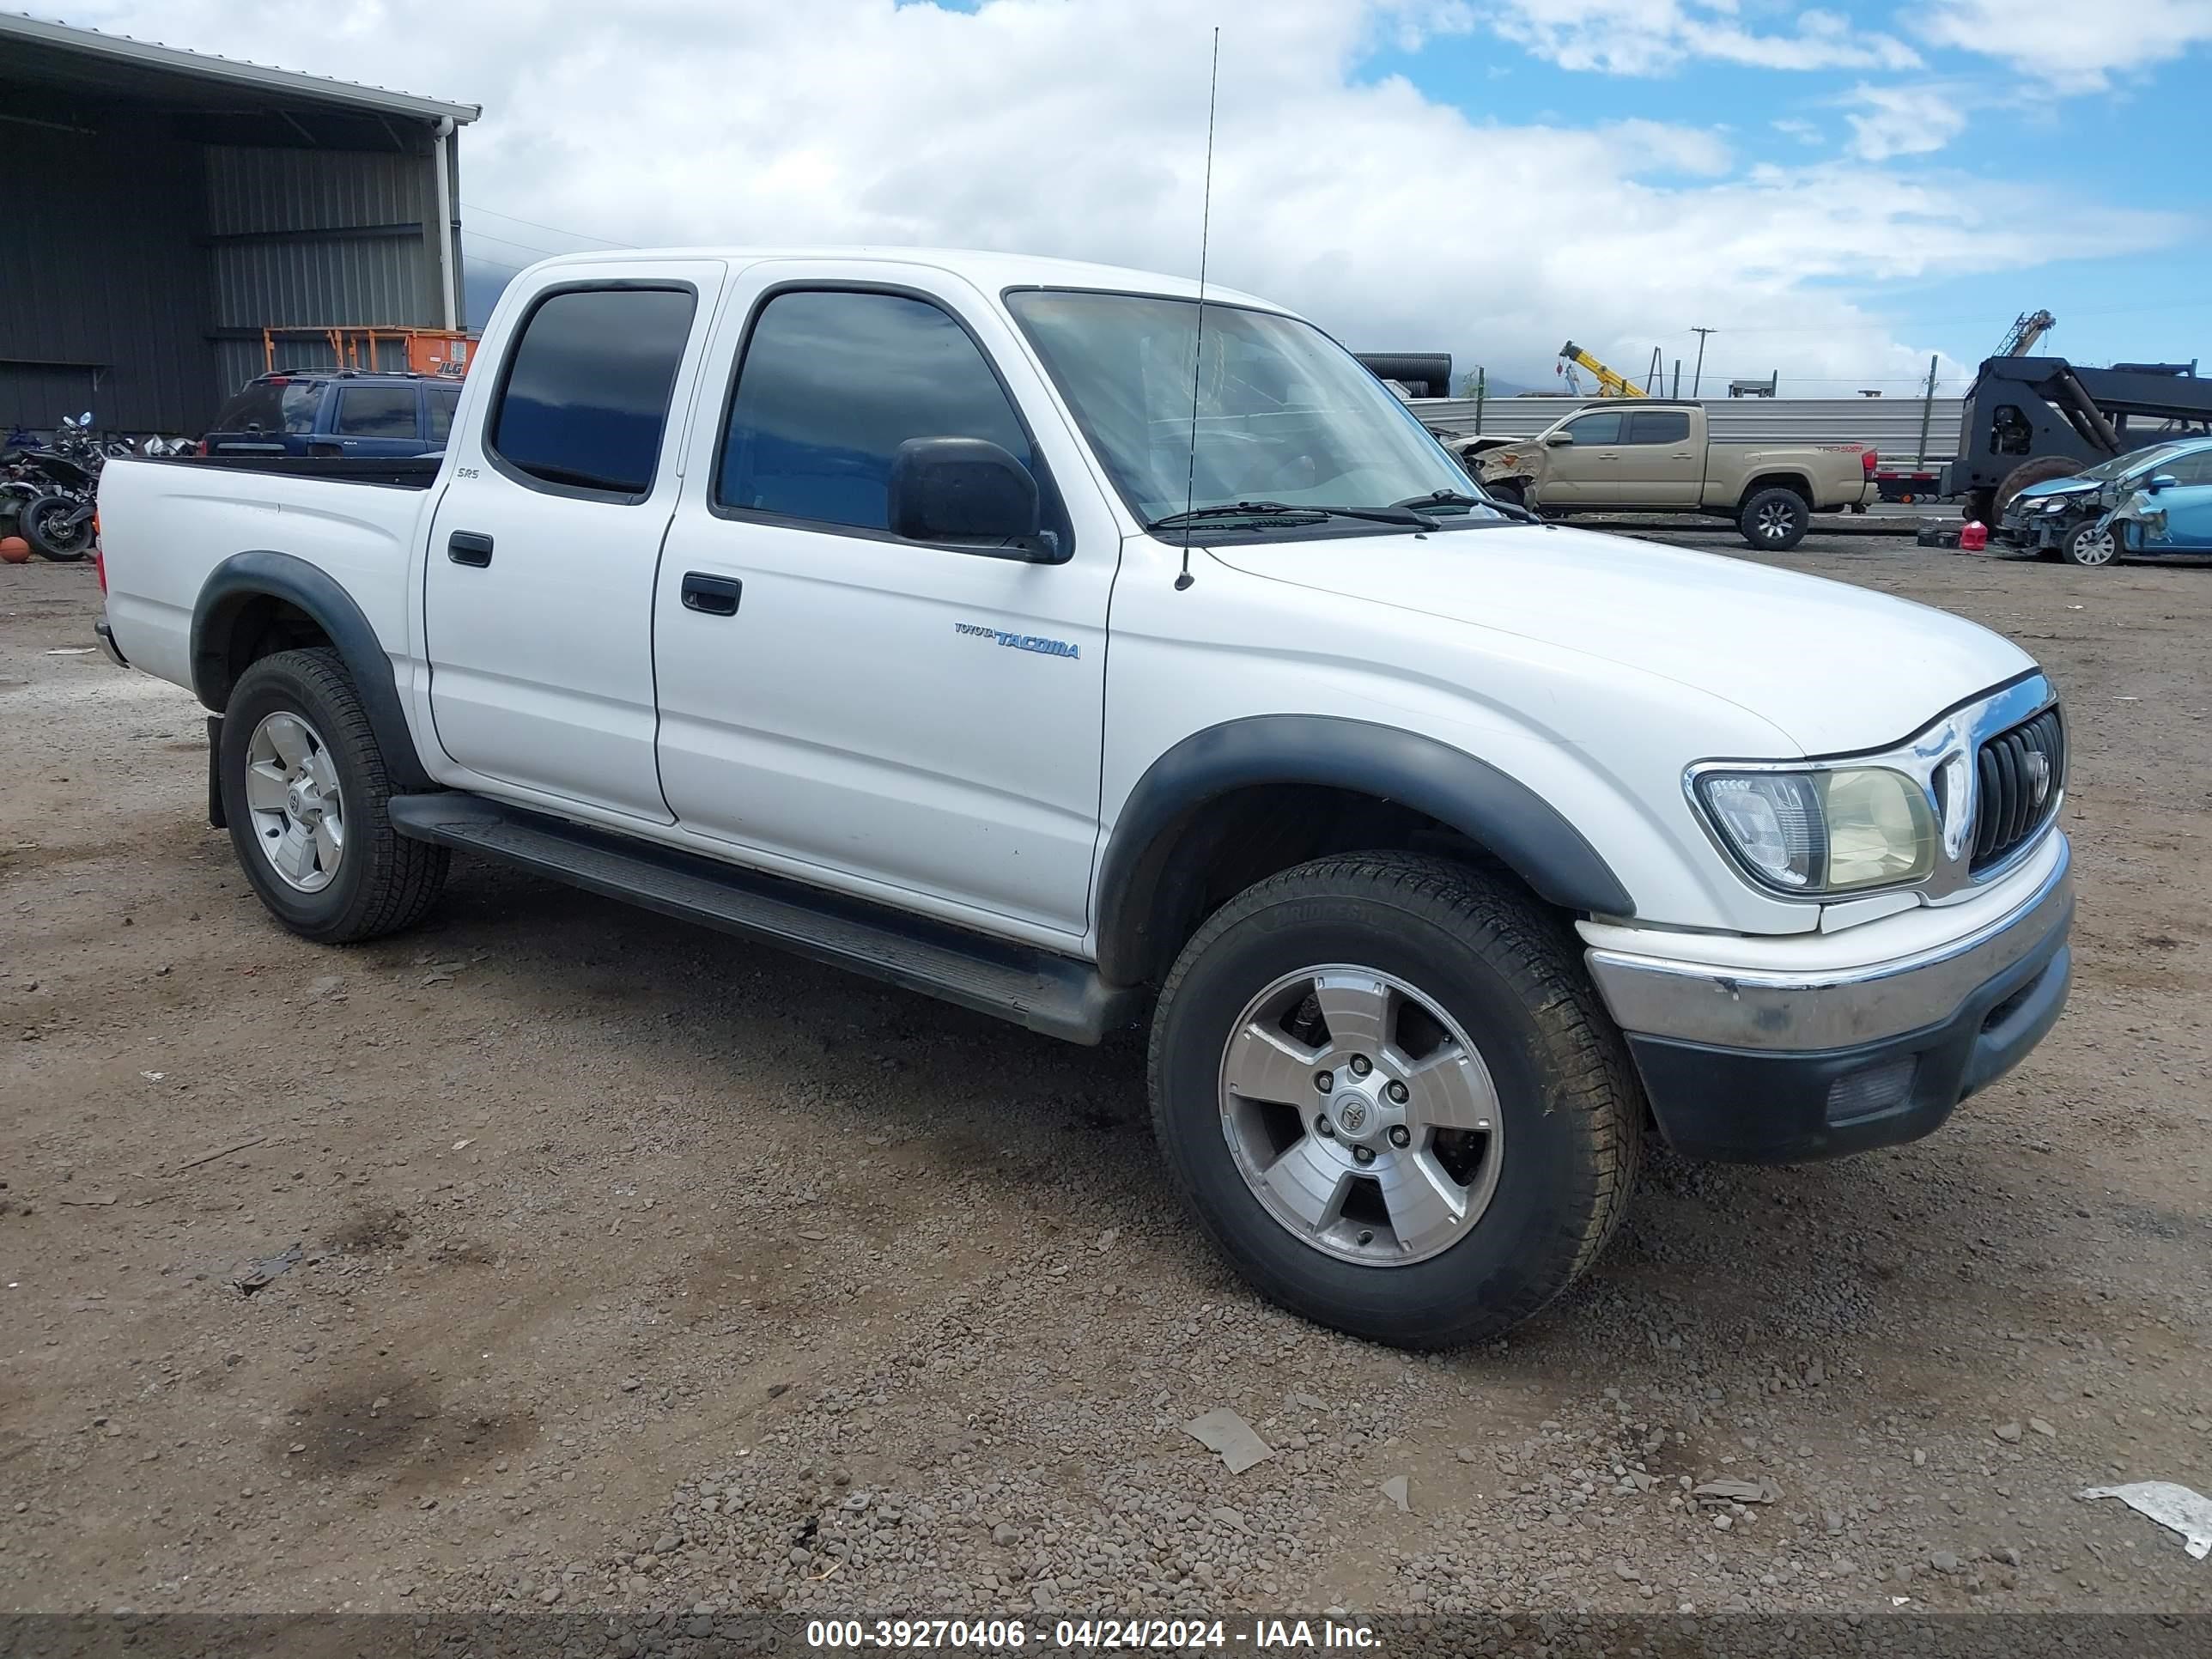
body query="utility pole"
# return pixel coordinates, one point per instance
(1698, 376)
(1927, 410)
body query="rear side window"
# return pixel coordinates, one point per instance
(586, 398)
(444, 400)
(832, 383)
(376, 412)
(271, 406)
(1659, 426)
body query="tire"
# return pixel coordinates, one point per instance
(43, 525)
(1511, 491)
(1775, 519)
(2041, 470)
(2085, 547)
(377, 882)
(1978, 505)
(1540, 1190)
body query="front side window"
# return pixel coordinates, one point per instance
(1659, 426)
(1603, 429)
(833, 382)
(586, 398)
(2194, 469)
(376, 412)
(1286, 416)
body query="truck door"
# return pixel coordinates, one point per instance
(538, 585)
(1587, 470)
(855, 708)
(1660, 466)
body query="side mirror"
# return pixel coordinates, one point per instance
(1559, 440)
(966, 490)
(2158, 480)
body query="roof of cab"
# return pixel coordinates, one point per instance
(990, 272)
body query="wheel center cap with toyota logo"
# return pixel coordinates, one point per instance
(1352, 1115)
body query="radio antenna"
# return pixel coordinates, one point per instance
(1198, 350)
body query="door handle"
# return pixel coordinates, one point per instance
(712, 596)
(466, 547)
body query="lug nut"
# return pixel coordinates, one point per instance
(1324, 1081)
(1363, 1155)
(1397, 1092)
(1324, 1129)
(1400, 1135)
(1361, 1065)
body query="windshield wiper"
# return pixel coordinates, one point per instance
(1285, 510)
(1460, 498)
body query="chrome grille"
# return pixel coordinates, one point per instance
(2020, 773)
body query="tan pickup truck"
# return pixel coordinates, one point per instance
(1638, 455)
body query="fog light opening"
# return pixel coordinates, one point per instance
(1870, 1091)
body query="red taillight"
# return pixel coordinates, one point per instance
(1869, 458)
(203, 448)
(276, 380)
(100, 565)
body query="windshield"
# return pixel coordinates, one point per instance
(2134, 460)
(1286, 416)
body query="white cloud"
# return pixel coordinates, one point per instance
(1650, 37)
(2072, 46)
(1077, 127)
(1888, 121)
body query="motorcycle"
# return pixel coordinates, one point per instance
(49, 492)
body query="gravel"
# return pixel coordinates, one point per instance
(910, 1320)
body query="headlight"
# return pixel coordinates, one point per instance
(2057, 504)
(1823, 831)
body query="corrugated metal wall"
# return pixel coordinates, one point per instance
(138, 267)
(311, 237)
(103, 298)
(1890, 424)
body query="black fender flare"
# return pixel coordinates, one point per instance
(260, 573)
(1498, 812)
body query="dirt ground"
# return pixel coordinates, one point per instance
(639, 1267)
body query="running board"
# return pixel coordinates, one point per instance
(1056, 995)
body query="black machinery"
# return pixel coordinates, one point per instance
(2029, 419)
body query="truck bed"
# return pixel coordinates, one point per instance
(166, 524)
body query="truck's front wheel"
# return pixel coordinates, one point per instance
(1392, 1098)
(304, 790)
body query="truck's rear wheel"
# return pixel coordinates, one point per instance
(1393, 1100)
(304, 792)
(1775, 519)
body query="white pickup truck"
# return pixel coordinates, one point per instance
(904, 610)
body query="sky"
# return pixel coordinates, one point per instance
(1840, 192)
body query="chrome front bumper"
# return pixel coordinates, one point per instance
(1829, 1008)
(1760, 1065)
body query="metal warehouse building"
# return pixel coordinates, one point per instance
(163, 207)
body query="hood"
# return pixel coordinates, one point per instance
(2072, 486)
(1836, 668)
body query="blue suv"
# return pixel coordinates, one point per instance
(336, 412)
